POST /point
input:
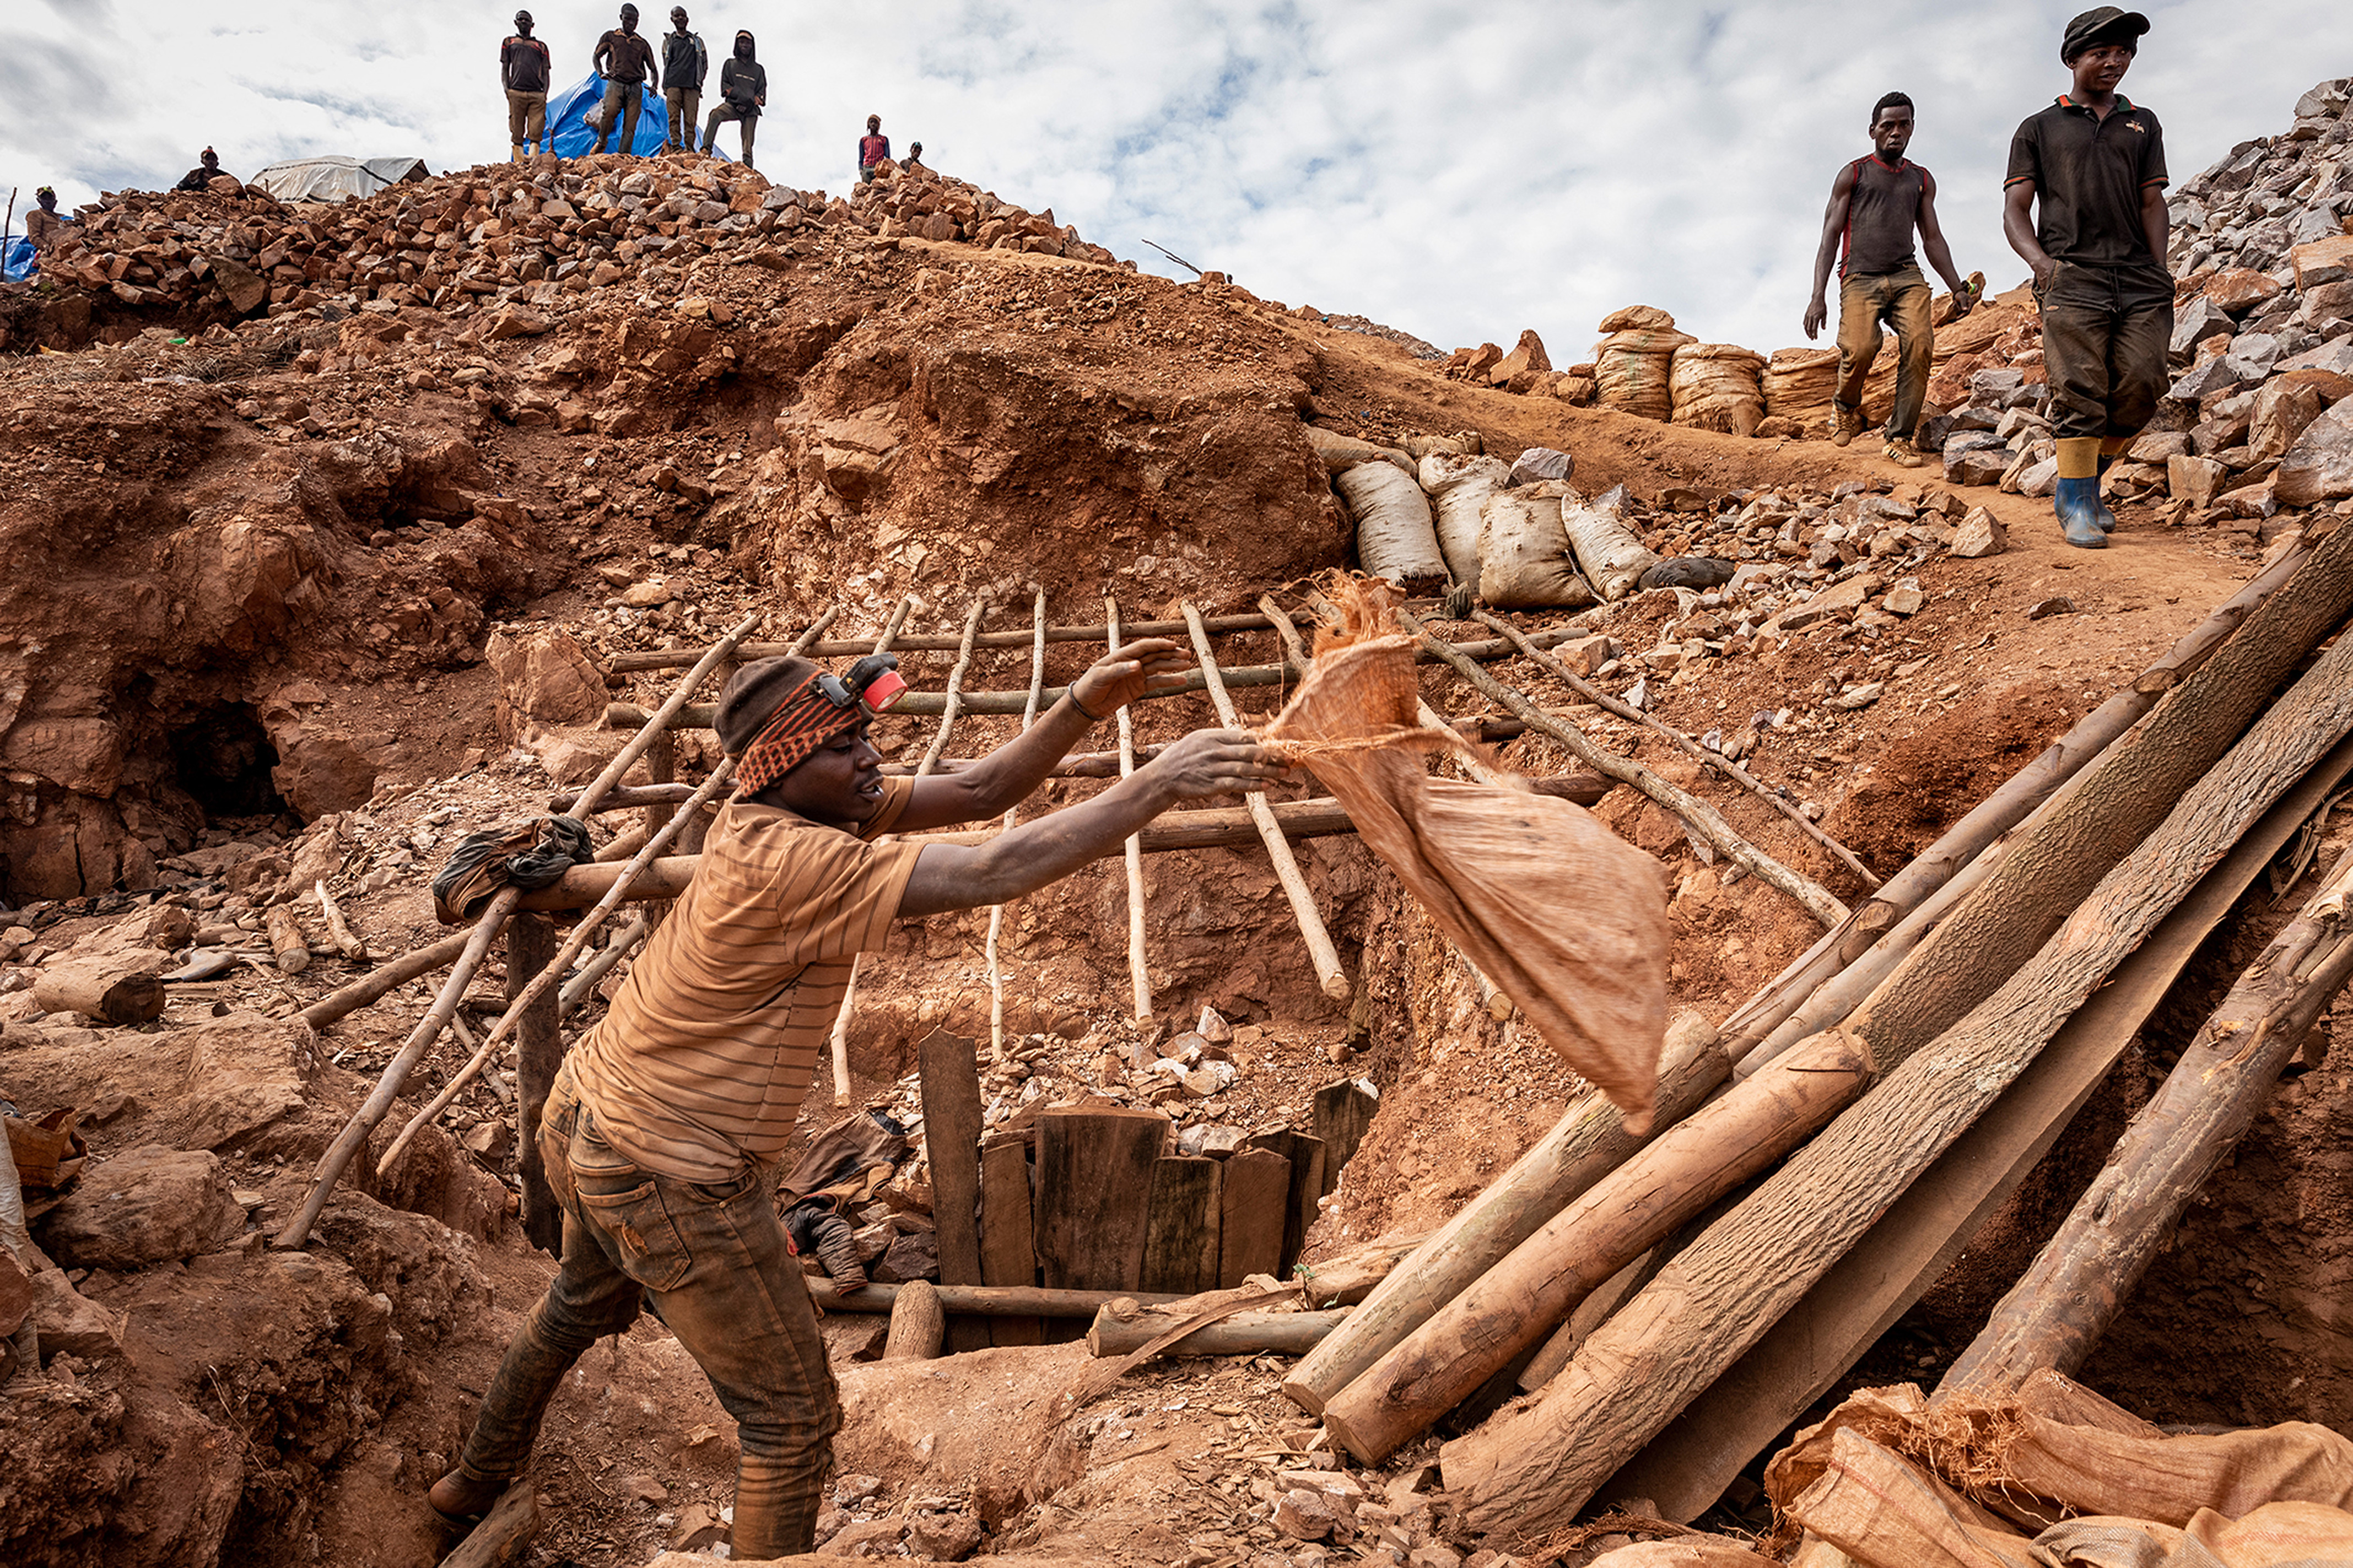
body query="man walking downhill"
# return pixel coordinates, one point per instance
(1875, 203)
(873, 148)
(625, 60)
(525, 68)
(2094, 160)
(743, 93)
(684, 65)
(664, 1124)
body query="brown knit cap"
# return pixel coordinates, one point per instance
(751, 697)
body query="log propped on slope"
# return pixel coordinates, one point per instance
(1537, 1465)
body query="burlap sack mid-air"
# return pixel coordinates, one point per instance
(1568, 920)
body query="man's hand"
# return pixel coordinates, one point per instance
(1114, 680)
(1816, 314)
(1216, 762)
(1965, 300)
(2045, 269)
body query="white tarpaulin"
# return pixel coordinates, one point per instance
(336, 179)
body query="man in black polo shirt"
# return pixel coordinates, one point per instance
(2096, 162)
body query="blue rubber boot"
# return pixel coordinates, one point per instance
(2077, 503)
(2106, 518)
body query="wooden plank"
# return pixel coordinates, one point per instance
(1094, 1188)
(951, 1087)
(1342, 1113)
(539, 1051)
(1305, 1153)
(1180, 1241)
(1254, 1212)
(1686, 1467)
(1009, 1253)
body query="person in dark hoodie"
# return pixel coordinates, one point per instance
(743, 93)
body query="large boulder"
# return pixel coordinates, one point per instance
(2319, 466)
(150, 1206)
(544, 676)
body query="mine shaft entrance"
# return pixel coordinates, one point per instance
(223, 757)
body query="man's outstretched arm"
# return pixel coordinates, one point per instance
(1826, 254)
(966, 877)
(1939, 254)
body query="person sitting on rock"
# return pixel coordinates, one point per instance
(526, 70)
(663, 1124)
(743, 93)
(914, 157)
(41, 220)
(1875, 203)
(2085, 207)
(201, 176)
(626, 61)
(873, 149)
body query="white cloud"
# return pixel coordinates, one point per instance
(1459, 172)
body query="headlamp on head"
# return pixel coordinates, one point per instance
(873, 682)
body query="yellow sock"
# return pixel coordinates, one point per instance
(2115, 446)
(2079, 457)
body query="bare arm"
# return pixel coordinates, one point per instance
(2155, 222)
(964, 877)
(1006, 777)
(1826, 254)
(603, 57)
(2017, 228)
(1939, 254)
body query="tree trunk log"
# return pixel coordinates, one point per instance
(1686, 1467)
(289, 950)
(918, 1323)
(1245, 1333)
(1535, 1467)
(1637, 1207)
(1584, 1145)
(376, 986)
(120, 988)
(2058, 1311)
(987, 1301)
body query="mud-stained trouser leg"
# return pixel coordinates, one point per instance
(1860, 302)
(1907, 311)
(2104, 333)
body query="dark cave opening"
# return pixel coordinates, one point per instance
(223, 757)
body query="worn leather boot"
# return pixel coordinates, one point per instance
(2077, 504)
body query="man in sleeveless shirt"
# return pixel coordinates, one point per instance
(663, 1128)
(2094, 163)
(1877, 202)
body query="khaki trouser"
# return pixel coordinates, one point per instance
(748, 119)
(622, 102)
(723, 1278)
(2104, 335)
(685, 105)
(1899, 299)
(526, 119)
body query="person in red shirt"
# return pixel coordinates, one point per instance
(872, 148)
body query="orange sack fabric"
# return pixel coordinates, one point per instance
(1567, 918)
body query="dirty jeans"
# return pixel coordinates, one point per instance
(2104, 335)
(685, 105)
(715, 1261)
(748, 119)
(622, 102)
(1900, 299)
(526, 118)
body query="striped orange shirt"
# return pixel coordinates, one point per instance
(709, 1048)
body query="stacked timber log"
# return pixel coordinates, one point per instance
(1874, 1104)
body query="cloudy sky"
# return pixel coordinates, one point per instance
(1460, 171)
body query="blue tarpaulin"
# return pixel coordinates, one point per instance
(16, 262)
(571, 134)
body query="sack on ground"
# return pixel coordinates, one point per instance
(1716, 387)
(1396, 536)
(1460, 486)
(1341, 453)
(1524, 561)
(1609, 553)
(1631, 368)
(1567, 918)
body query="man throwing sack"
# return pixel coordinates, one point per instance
(2094, 162)
(663, 1127)
(1875, 203)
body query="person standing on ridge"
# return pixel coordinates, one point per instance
(664, 1124)
(626, 61)
(525, 68)
(1875, 203)
(2094, 164)
(743, 93)
(207, 171)
(684, 65)
(872, 148)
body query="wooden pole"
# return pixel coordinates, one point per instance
(840, 1041)
(990, 952)
(1329, 975)
(539, 1052)
(918, 1323)
(2065, 1301)
(1535, 1466)
(428, 1029)
(1681, 742)
(1245, 1333)
(676, 658)
(987, 1301)
(584, 980)
(376, 986)
(338, 930)
(1702, 818)
(1139, 977)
